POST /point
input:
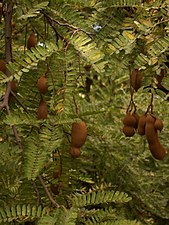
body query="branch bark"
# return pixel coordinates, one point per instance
(8, 56)
(8, 33)
(48, 193)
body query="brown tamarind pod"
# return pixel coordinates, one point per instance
(150, 129)
(75, 152)
(42, 85)
(157, 150)
(42, 112)
(13, 86)
(129, 120)
(135, 79)
(128, 131)
(2, 66)
(158, 124)
(141, 125)
(32, 41)
(54, 189)
(136, 116)
(78, 134)
(150, 119)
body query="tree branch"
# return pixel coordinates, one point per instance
(37, 193)
(47, 192)
(8, 56)
(19, 101)
(52, 21)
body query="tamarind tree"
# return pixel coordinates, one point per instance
(65, 62)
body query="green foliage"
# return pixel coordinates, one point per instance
(99, 197)
(21, 213)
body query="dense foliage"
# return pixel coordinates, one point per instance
(86, 50)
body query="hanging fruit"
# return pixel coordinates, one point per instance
(158, 124)
(128, 131)
(55, 189)
(32, 41)
(78, 134)
(42, 112)
(157, 150)
(13, 86)
(129, 122)
(136, 116)
(75, 152)
(141, 125)
(135, 79)
(42, 84)
(2, 66)
(78, 138)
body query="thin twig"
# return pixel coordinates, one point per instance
(37, 193)
(150, 106)
(18, 140)
(75, 104)
(65, 24)
(19, 101)
(25, 40)
(47, 192)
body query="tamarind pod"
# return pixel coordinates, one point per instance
(150, 131)
(2, 66)
(136, 116)
(129, 120)
(32, 41)
(135, 79)
(13, 86)
(128, 131)
(55, 189)
(157, 150)
(42, 112)
(75, 152)
(42, 85)
(158, 124)
(141, 125)
(150, 119)
(78, 134)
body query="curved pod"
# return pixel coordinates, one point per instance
(156, 149)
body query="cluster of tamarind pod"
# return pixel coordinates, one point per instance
(148, 125)
(42, 111)
(78, 138)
